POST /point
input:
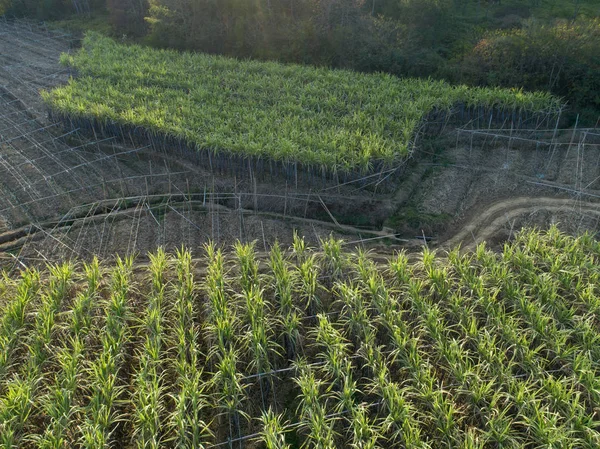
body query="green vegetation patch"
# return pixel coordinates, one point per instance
(331, 118)
(308, 347)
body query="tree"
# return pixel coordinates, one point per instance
(4, 5)
(562, 58)
(50, 9)
(128, 16)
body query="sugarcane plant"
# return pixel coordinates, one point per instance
(284, 280)
(21, 392)
(314, 420)
(309, 347)
(14, 314)
(273, 429)
(101, 410)
(59, 403)
(292, 121)
(190, 429)
(148, 403)
(229, 391)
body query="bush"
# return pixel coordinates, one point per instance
(562, 58)
(127, 16)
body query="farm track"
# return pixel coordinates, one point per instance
(16, 239)
(487, 223)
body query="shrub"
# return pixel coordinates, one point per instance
(562, 58)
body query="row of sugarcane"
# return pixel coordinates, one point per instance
(20, 390)
(338, 125)
(473, 350)
(374, 174)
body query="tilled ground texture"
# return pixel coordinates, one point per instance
(498, 185)
(487, 184)
(45, 170)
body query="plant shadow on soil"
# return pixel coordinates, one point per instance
(409, 218)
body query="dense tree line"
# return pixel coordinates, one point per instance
(534, 44)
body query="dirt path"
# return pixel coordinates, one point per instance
(16, 238)
(486, 224)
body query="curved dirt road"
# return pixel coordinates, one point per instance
(491, 220)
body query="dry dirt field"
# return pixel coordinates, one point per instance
(65, 195)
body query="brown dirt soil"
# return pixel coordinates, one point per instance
(514, 183)
(506, 217)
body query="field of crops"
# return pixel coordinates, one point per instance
(332, 119)
(307, 348)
